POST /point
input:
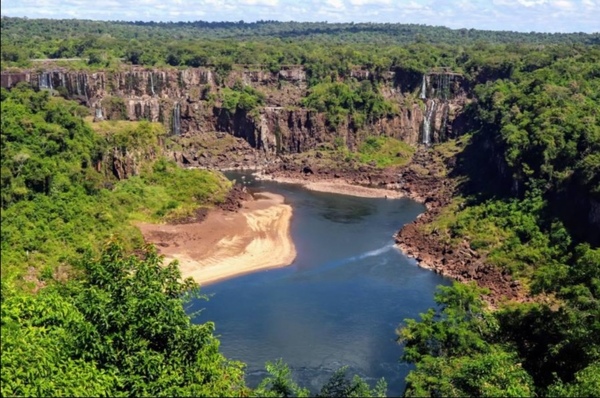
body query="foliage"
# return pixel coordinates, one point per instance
(460, 328)
(338, 100)
(279, 383)
(245, 98)
(55, 202)
(385, 151)
(453, 353)
(492, 374)
(529, 174)
(586, 384)
(339, 385)
(138, 136)
(270, 43)
(119, 330)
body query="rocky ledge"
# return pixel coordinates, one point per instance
(430, 251)
(425, 181)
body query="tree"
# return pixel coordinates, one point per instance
(122, 325)
(452, 351)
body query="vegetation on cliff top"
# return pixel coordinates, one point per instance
(45, 38)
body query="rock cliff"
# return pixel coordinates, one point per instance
(187, 102)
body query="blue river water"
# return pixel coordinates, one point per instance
(338, 304)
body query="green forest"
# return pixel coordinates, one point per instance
(78, 282)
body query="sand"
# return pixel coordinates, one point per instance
(228, 244)
(335, 186)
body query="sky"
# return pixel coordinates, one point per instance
(516, 15)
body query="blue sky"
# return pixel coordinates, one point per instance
(518, 15)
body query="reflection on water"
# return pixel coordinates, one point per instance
(338, 304)
(345, 211)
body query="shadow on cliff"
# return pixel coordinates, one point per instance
(484, 175)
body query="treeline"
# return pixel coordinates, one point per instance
(270, 44)
(381, 33)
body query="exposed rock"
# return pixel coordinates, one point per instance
(281, 126)
(235, 198)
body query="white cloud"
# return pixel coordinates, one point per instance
(337, 4)
(269, 3)
(563, 4)
(516, 15)
(370, 2)
(516, 3)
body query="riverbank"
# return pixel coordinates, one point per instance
(227, 244)
(333, 186)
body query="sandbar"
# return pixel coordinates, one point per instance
(335, 186)
(228, 244)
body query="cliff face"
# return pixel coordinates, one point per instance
(186, 102)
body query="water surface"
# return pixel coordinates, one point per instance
(338, 304)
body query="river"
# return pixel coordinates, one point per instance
(339, 303)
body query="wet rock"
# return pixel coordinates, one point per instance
(307, 170)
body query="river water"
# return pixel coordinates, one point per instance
(338, 304)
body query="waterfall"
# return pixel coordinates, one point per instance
(78, 85)
(176, 119)
(99, 114)
(84, 84)
(45, 81)
(428, 121)
(443, 82)
(443, 127)
(152, 84)
(424, 88)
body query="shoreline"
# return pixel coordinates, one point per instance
(229, 244)
(334, 186)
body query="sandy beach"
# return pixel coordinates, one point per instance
(228, 244)
(335, 186)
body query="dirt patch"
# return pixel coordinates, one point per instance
(335, 186)
(227, 243)
(197, 216)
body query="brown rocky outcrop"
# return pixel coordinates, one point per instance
(235, 198)
(431, 251)
(184, 100)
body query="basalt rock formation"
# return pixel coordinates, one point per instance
(186, 102)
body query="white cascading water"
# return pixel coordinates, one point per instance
(78, 85)
(152, 84)
(424, 88)
(176, 120)
(99, 113)
(45, 81)
(84, 84)
(430, 111)
(443, 85)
